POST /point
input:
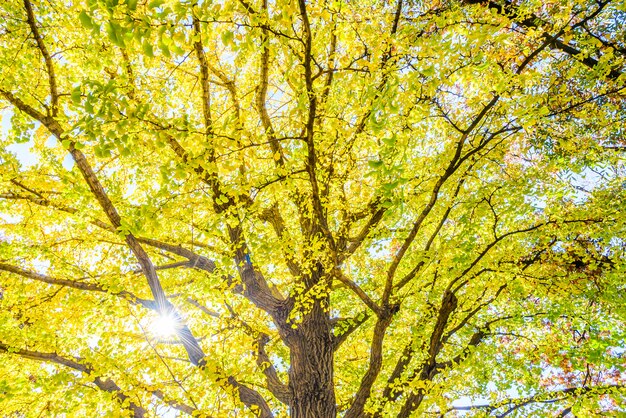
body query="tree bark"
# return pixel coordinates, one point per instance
(311, 375)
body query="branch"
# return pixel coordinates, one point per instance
(91, 287)
(203, 308)
(227, 82)
(390, 393)
(251, 398)
(511, 11)
(506, 235)
(406, 279)
(190, 343)
(261, 94)
(195, 260)
(274, 384)
(475, 339)
(311, 165)
(358, 291)
(374, 366)
(76, 363)
(204, 82)
(353, 325)
(54, 94)
(275, 218)
(248, 396)
(431, 368)
(428, 369)
(386, 60)
(21, 105)
(546, 397)
(472, 313)
(255, 287)
(331, 64)
(42, 201)
(449, 304)
(434, 196)
(387, 312)
(372, 222)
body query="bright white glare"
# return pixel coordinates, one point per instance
(164, 326)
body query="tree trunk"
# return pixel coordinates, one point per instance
(311, 374)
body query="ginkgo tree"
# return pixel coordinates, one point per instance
(312, 208)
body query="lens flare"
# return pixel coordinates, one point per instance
(164, 326)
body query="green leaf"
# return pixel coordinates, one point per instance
(375, 164)
(164, 49)
(155, 3)
(85, 20)
(227, 37)
(147, 49)
(391, 141)
(390, 186)
(114, 31)
(76, 96)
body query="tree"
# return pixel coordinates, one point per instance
(331, 208)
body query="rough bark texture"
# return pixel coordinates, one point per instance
(311, 374)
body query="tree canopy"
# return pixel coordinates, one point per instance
(312, 208)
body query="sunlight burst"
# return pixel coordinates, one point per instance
(164, 326)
